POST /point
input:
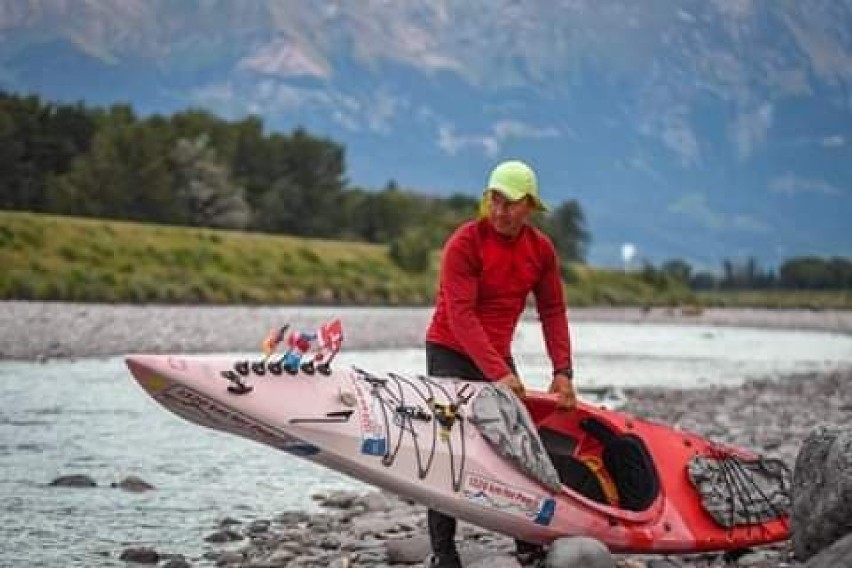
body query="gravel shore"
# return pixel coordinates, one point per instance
(39, 330)
(771, 416)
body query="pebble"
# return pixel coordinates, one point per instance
(73, 480)
(140, 555)
(133, 484)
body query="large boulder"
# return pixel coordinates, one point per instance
(822, 490)
(838, 555)
(579, 551)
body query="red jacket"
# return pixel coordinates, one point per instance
(484, 282)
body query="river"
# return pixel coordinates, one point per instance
(87, 416)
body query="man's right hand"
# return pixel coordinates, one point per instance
(513, 382)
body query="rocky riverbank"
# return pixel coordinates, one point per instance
(379, 530)
(772, 417)
(41, 330)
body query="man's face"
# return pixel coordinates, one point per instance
(508, 217)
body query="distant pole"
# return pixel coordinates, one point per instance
(628, 251)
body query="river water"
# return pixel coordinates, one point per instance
(87, 416)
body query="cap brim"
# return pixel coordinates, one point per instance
(511, 196)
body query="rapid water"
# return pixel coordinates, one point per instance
(87, 416)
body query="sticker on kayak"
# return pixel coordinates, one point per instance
(199, 408)
(373, 440)
(498, 495)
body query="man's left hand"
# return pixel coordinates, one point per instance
(565, 388)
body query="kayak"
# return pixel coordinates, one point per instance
(472, 450)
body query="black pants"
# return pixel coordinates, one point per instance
(444, 362)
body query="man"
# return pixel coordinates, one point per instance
(488, 268)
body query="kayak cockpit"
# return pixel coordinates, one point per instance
(596, 460)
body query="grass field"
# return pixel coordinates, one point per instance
(45, 257)
(63, 258)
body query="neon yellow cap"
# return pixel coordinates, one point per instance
(515, 180)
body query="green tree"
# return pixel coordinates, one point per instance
(306, 179)
(678, 270)
(807, 272)
(204, 189)
(566, 226)
(126, 174)
(37, 141)
(412, 250)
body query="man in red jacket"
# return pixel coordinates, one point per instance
(488, 268)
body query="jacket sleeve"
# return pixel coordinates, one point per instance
(552, 311)
(459, 281)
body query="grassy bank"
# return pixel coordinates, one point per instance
(779, 299)
(62, 258)
(46, 257)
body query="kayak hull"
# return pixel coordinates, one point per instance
(392, 432)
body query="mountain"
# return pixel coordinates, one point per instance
(699, 129)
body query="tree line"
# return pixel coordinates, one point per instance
(193, 168)
(796, 273)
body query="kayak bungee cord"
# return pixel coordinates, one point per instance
(749, 503)
(399, 420)
(445, 414)
(749, 479)
(389, 458)
(448, 415)
(422, 471)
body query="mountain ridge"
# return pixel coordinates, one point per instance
(706, 130)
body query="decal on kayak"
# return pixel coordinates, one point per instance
(177, 363)
(373, 439)
(155, 384)
(207, 411)
(504, 497)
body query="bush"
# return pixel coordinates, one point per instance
(411, 251)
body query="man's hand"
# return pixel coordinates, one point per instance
(513, 382)
(565, 388)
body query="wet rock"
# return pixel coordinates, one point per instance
(133, 483)
(476, 556)
(407, 550)
(758, 559)
(663, 563)
(579, 551)
(377, 501)
(258, 526)
(228, 558)
(176, 561)
(224, 536)
(838, 555)
(292, 518)
(140, 555)
(504, 561)
(229, 522)
(337, 499)
(635, 563)
(75, 480)
(822, 490)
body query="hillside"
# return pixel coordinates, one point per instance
(66, 258)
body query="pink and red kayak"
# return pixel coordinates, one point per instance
(634, 485)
